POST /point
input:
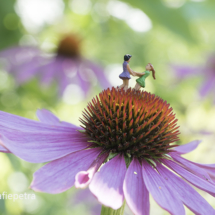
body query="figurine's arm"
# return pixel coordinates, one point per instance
(130, 70)
(140, 74)
(134, 73)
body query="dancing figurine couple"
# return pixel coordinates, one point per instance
(127, 71)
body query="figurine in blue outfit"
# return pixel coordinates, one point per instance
(127, 71)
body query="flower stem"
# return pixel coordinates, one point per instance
(110, 211)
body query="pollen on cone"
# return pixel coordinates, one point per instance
(137, 124)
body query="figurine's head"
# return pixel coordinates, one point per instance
(127, 57)
(150, 67)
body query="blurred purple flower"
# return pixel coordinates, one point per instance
(206, 72)
(75, 157)
(64, 67)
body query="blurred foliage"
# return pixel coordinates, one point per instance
(10, 32)
(182, 32)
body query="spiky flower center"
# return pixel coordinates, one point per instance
(136, 124)
(69, 46)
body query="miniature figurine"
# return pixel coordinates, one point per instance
(141, 81)
(127, 71)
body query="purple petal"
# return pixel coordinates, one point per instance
(210, 168)
(19, 55)
(38, 147)
(186, 148)
(193, 200)
(107, 183)
(192, 167)
(10, 121)
(27, 70)
(208, 86)
(185, 71)
(83, 178)
(160, 191)
(99, 72)
(136, 194)
(193, 179)
(48, 117)
(59, 175)
(47, 72)
(3, 149)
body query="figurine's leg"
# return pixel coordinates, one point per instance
(126, 84)
(121, 86)
(137, 86)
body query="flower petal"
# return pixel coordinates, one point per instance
(210, 168)
(207, 86)
(11, 121)
(192, 167)
(3, 149)
(186, 148)
(136, 194)
(59, 175)
(38, 147)
(193, 200)
(83, 178)
(107, 183)
(185, 71)
(193, 179)
(160, 191)
(48, 117)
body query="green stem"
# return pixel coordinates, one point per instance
(110, 211)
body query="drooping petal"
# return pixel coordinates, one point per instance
(136, 194)
(193, 200)
(3, 149)
(10, 121)
(160, 191)
(83, 178)
(99, 72)
(186, 148)
(210, 168)
(193, 179)
(17, 56)
(27, 70)
(59, 175)
(48, 117)
(38, 147)
(207, 86)
(185, 71)
(192, 167)
(107, 183)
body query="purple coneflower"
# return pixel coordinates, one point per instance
(123, 152)
(206, 72)
(65, 66)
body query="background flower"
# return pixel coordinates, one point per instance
(206, 72)
(64, 67)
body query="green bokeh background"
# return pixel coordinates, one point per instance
(181, 32)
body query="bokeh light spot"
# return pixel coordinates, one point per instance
(73, 94)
